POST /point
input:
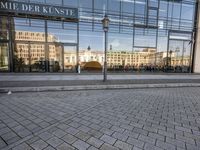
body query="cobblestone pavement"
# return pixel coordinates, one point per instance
(148, 119)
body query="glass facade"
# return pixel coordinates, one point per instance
(144, 35)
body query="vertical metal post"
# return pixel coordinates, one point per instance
(105, 59)
(195, 31)
(11, 44)
(77, 49)
(63, 57)
(46, 49)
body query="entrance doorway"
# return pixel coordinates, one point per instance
(70, 57)
(4, 56)
(179, 52)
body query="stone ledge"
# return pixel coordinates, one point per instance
(95, 87)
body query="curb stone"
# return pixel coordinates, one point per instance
(95, 87)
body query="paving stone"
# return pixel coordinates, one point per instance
(84, 128)
(2, 143)
(108, 139)
(65, 146)
(92, 148)
(165, 145)
(45, 136)
(123, 145)
(108, 147)
(54, 141)
(72, 130)
(120, 136)
(135, 142)
(95, 142)
(82, 135)
(117, 129)
(147, 139)
(95, 133)
(81, 145)
(151, 147)
(166, 115)
(59, 133)
(13, 140)
(39, 145)
(49, 148)
(22, 146)
(32, 140)
(69, 138)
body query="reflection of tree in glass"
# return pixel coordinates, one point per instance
(19, 62)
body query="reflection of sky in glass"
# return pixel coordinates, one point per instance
(118, 41)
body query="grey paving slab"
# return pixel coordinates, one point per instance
(166, 118)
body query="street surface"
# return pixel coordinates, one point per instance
(139, 119)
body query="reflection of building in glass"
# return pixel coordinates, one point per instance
(128, 58)
(3, 28)
(3, 56)
(37, 51)
(117, 59)
(33, 36)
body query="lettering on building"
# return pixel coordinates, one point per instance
(38, 9)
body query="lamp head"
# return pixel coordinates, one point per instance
(105, 23)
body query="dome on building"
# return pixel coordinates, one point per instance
(92, 65)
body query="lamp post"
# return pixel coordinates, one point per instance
(105, 23)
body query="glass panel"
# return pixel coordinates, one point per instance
(4, 57)
(187, 11)
(119, 56)
(73, 3)
(91, 50)
(128, 7)
(57, 2)
(70, 59)
(145, 37)
(100, 6)
(152, 18)
(161, 53)
(55, 58)
(85, 4)
(140, 7)
(163, 9)
(144, 58)
(179, 56)
(37, 56)
(186, 56)
(153, 3)
(3, 28)
(114, 6)
(29, 29)
(21, 57)
(37, 1)
(62, 32)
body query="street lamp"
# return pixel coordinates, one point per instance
(105, 23)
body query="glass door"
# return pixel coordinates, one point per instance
(55, 52)
(179, 59)
(37, 57)
(4, 57)
(70, 58)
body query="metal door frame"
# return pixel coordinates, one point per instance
(184, 40)
(77, 54)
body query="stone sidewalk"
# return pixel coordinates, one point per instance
(153, 119)
(64, 82)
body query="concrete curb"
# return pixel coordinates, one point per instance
(96, 87)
